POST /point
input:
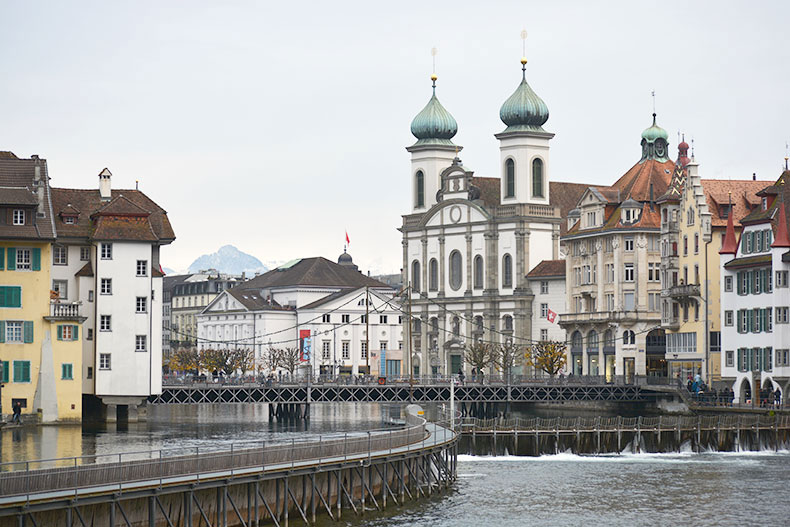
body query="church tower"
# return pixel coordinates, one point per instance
(434, 151)
(524, 146)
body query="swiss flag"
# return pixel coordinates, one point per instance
(551, 316)
(347, 240)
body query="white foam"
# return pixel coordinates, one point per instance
(685, 456)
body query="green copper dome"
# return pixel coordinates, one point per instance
(524, 111)
(434, 125)
(654, 132)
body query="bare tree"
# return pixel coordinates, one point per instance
(505, 357)
(479, 355)
(271, 359)
(288, 358)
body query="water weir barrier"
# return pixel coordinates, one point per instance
(614, 435)
(248, 485)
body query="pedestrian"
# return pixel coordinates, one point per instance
(17, 413)
(777, 397)
(461, 375)
(474, 374)
(482, 377)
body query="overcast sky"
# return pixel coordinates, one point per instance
(276, 126)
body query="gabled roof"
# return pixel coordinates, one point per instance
(253, 301)
(649, 218)
(19, 187)
(636, 183)
(86, 270)
(719, 193)
(317, 271)
(134, 216)
(548, 269)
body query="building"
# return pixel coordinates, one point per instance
(694, 214)
(107, 260)
(168, 283)
(613, 270)
(755, 298)
(190, 296)
(469, 241)
(41, 330)
(313, 303)
(547, 283)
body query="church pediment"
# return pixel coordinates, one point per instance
(454, 212)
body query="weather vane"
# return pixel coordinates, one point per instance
(653, 94)
(433, 75)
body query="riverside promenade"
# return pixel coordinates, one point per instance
(250, 484)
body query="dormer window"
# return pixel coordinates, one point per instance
(765, 203)
(18, 217)
(725, 211)
(628, 215)
(68, 220)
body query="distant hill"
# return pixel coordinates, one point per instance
(229, 260)
(169, 271)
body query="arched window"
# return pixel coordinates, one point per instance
(417, 325)
(507, 323)
(415, 276)
(507, 271)
(576, 341)
(456, 270)
(433, 275)
(434, 322)
(537, 178)
(456, 326)
(479, 324)
(478, 272)
(608, 340)
(510, 178)
(419, 189)
(629, 337)
(592, 342)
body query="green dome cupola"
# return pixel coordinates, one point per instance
(655, 143)
(434, 125)
(524, 111)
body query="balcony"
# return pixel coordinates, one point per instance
(595, 317)
(65, 311)
(670, 227)
(684, 291)
(672, 323)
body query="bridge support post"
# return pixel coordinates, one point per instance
(188, 508)
(112, 513)
(151, 511)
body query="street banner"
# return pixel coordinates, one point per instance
(304, 345)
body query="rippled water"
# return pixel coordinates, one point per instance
(642, 489)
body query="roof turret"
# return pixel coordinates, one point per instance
(730, 245)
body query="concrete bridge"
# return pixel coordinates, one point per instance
(248, 485)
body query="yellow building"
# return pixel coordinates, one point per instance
(694, 214)
(40, 338)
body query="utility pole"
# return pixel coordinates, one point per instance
(367, 332)
(408, 347)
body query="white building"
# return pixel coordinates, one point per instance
(107, 258)
(469, 242)
(547, 283)
(313, 298)
(755, 303)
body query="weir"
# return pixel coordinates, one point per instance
(616, 435)
(248, 485)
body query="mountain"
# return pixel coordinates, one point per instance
(169, 271)
(228, 259)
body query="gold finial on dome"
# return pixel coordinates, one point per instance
(523, 61)
(523, 48)
(434, 77)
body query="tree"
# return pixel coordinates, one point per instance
(548, 356)
(505, 356)
(185, 359)
(244, 360)
(479, 355)
(290, 359)
(225, 360)
(271, 359)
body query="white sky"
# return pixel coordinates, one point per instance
(275, 126)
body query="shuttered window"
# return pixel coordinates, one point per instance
(10, 296)
(21, 371)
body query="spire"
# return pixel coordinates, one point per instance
(683, 150)
(782, 238)
(524, 111)
(730, 245)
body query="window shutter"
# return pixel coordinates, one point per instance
(60, 332)
(739, 279)
(36, 259)
(2, 259)
(2, 331)
(11, 259)
(75, 332)
(3, 293)
(768, 236)
(14, 296)
(28, 330)
(26, 370)
(6, 373)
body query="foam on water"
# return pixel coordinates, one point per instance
(684, 456)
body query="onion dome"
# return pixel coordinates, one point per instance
(434, 125)
(655, 132)
(346, 261)
(524, 111)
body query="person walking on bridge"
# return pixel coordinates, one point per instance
(17, 413)
(461, 375)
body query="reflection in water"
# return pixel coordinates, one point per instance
(183, 426)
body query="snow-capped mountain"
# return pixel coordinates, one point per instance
(229, 260)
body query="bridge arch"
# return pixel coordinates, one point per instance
(742, 389)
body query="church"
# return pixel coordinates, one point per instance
(469, 242)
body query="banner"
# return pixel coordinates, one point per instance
(305, 343)
(551, 316)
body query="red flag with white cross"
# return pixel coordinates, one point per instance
(551, 316)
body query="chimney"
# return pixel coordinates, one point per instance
(105, 186)
(39, 185)
(754, 176)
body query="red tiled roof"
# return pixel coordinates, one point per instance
(18, 187)
(719, 192)
(636, 183)
(548, 268)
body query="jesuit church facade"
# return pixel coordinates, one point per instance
(469, 241)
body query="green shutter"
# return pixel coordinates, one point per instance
(36, 259)
(28, 331)
(75, 333)
(4, 376)
(740, 282)
(11, 259)
(60, 332)
(768, 238)
(14, 296)
(2, 258)
(2, 331)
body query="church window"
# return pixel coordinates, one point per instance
(456, 270)
(419, 199)
(433, 275)
(508, 323)
(537, 178)
(415, 276)
(507, 271)
(510, 178)
(478, 272)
